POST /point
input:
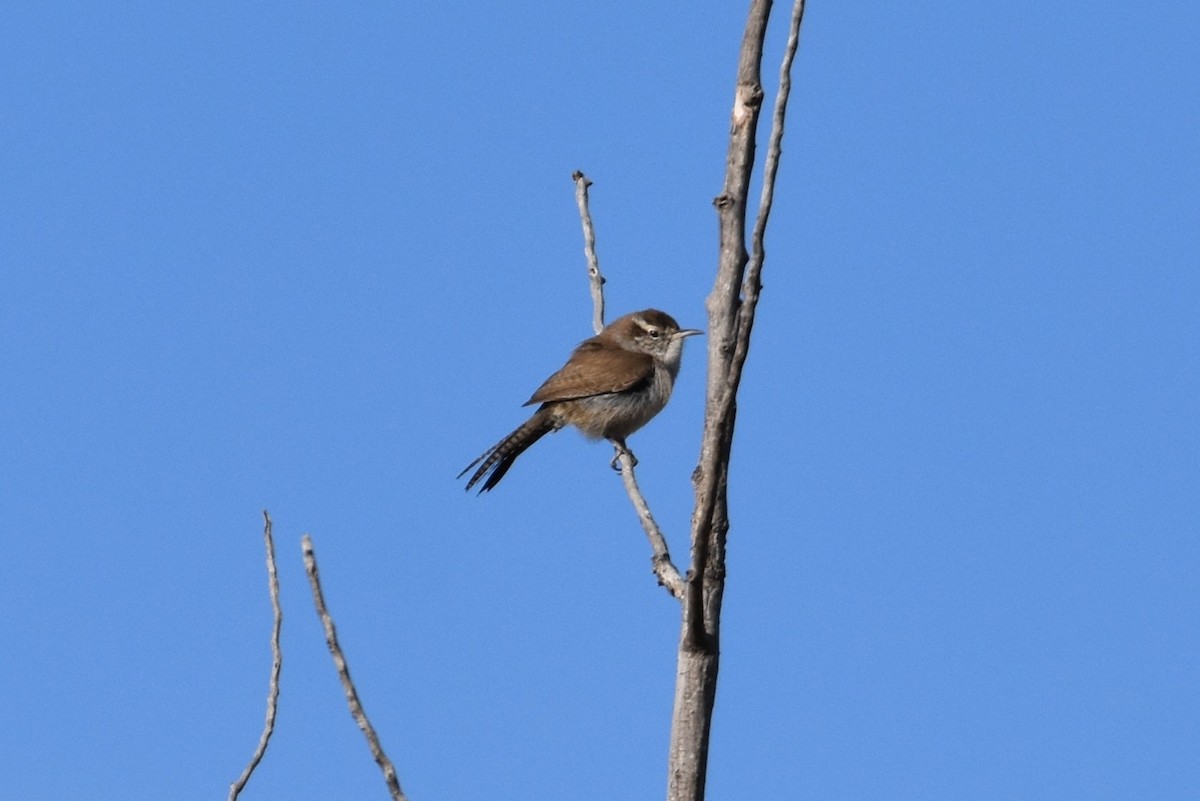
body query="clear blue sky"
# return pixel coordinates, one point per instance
(313, 257)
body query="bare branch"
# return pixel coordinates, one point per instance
(276, 665)
(668, 575)
(664, 568)
(595, 279)
(723, 303)
(339, 661)
(753, 281)
(731, 309)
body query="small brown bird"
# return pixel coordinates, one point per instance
(612, 385)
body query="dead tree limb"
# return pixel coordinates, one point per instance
(731, 308)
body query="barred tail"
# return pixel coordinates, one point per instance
(501, 456)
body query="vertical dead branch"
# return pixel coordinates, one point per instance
(339, 661)
(595, 279)
(276, 665)
(731, 308)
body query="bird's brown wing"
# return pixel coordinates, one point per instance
(594, 369)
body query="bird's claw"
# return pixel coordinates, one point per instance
(621, 449)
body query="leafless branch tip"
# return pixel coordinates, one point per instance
(343, 670)
(595, 279)
(235, 789)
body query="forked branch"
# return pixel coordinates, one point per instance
(731, 310)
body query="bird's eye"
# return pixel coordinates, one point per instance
(653, 332)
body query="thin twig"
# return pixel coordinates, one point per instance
(668, 575)
(339, 661)
(276, 665)
(595, 279)
(664, 568)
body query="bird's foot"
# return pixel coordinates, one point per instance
(621, 449)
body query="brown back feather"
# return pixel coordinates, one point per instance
(594, 369)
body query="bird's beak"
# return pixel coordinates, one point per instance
(687, 332)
